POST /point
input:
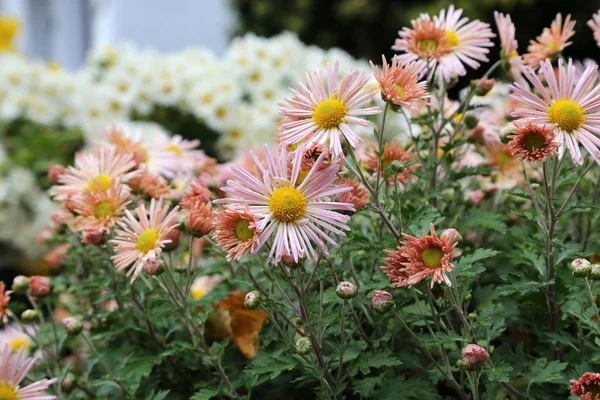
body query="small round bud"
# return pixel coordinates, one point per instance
(288, 261)
(253, 300)
(595, 272)
(535, 186)
(20, 284)
(73, 326)
(506, 133)
(472, 316)
(40, 286)
(54, 173)
(579, 263)
(397, 166)
(483, 86)
(92, 236)
(451, 235)
(303, 346)
(470, 121)
(153, 267)
(473, 356)
(30, 316)
(346, 290)
(382, 301)
(583, 270)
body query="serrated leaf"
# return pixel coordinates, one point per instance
(411, 389)
(543, 371)
(274, 366)
(383, 358)
(205, 394)
(499, 373)
(441, 339)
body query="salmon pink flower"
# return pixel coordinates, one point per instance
(594, 24)
(551, 42)
(99, 209)
(236, 232)
(509, 46)
(587, 387)
(399, 84)
(533, 142)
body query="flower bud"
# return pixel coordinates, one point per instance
(470, 121)
(451, 235)
(303, 346)
(288, 260)
(173, 235)
(346, 290)
(483, 86)
(253, 300)
(382, 301)
(579, 263)
(473, 356)
(153, 267)
(581, 268)
(200, 220)
(595, 272)
(40, 286)
(54, 173)
(506, 133)
(73, 326)
(20, 284)
(30, 316)
(92, 236)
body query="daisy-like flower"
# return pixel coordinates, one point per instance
(509, 46)
(533, 142)
(551, 42)
(203, 285)
(99, 209)
(13, 338)
(399, 84)
(392, 152)
(14, 367)
(587, 387)
(572, 105)
(236, 232)
(594, 24)
(297, 214)
(141, 240)
(419, 257)
(359, 196)
(186, 151)
(448, 43)
(198, 193)
(94, 170)
(4, 300)
(323, 113)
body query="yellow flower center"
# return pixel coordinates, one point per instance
(103, 209)
(19, 342)
(329, 113)
(428, 44)
(513, 53)
(432, 257)
(8, 391)
(197, 293)
(243, 231)
(147, 240)
(452, 39)
(398, 89)
(174, 148)
(103, 181)
(567, 114)
(287, 204)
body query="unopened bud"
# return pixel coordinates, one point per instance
(153, 267)
(288, 261)
(253, 300)
(73, 326)
(173, 235)
(483, 86)
(20, 284)
(303, 345)
(382, 301)
(470, 121)
(579, 263)
(595, 272)
(474, 355)
(30, 316)
(581, 268)
(346, 290)
(506, 133)
(40, 286)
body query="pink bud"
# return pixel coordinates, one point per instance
(92, 236)
(476, 197)
(54, 173)
(474, 355)
(72, 325)
(451, 235)
(382, 301)
(173, 235)
(40, 286)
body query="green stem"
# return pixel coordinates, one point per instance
(342, 339)
(101, 361)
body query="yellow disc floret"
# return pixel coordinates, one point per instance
(567, 114)
(287, 204)
(101, 181)
(329, 113)
(8, 391)
(451, 39)
(147, 240)
(174, 148)
(432, 257)
(19, 342)
(103, 209)
(243, 231)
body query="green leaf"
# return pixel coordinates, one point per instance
(205, 394)
(271, 365)
(441, 339)
(468, 267)
(411, 389)
(383, 358)
(498, 373)
(544, 371)
(480, 218)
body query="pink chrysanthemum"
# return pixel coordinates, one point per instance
(4, 300)
(399, 84)
(572, 105)
(533, 142)
(236, 231)
(509, 46)
(359, 196)
(419, 257)
(322, 113)
(99, 209)
(392, 152)
(92, 170)
(551, 42)
(594, 24)
(463, 42)
(140, 240)
(14, 367)
(587, 387)
(297, 214)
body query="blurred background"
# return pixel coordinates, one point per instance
(207, 69)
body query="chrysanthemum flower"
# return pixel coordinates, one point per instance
(151, 184)
(14, 338)
(298, 215)
(359, 196)
(14, 367)
(198, 193)
(594, 24)
(141, 240)
(509, 46)
(533, 142)
(99, 209)
(399, 85)
(448, 43)
(4, 300)
(236, 232)
(203, 285)
(587, 387)
(419, 257)
(200, 219)
(571, 105)
(392, 152)
(186, 151)
(94, 170)
(551, 42)
(322, 113)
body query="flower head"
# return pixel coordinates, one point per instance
(142, 237)
(4, 300)
(551, 42)
(236, 232)
(587, 387)
(15, 338)
(198, 193)
(509, 46)
(359, 196)
(323, 113)
(9, 29)
(382, 301)
(99, 209)
(419, 257)
(151, 184)
(200, 219)
(399, 84)
(392, 152)
(204, 284)
(594, 24)
(14, 367)
(297, 214)
(532, 142)
(571, 105)
(474, 355)
(40, 286)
